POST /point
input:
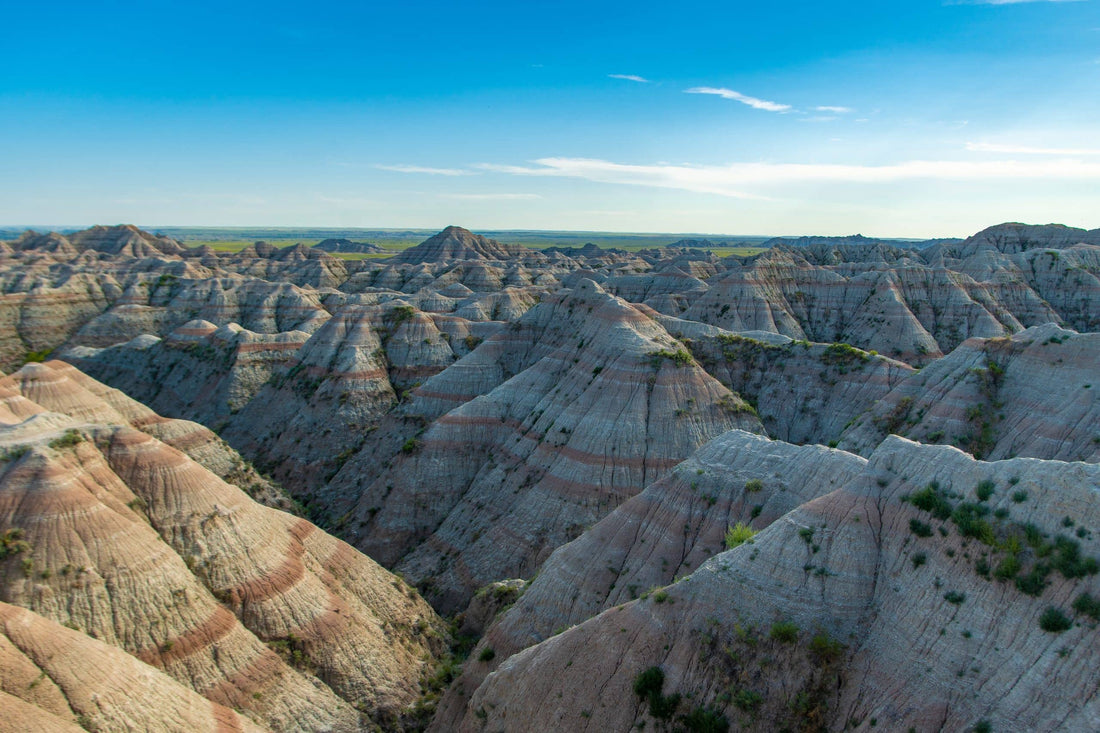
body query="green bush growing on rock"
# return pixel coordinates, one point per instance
(1054, 621)
(67, 439)
(738, 535)
(784, 632)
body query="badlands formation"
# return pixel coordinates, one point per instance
(838, 485)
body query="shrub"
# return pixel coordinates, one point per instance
(738, 535)
(410, 445)
(663, 707)
(67, 439)
(984, 490)
(649, 682)
(1034, 582)
(1007, 568)
(753, 485)
(785, 632)
(647, 686)
(747, 700)
(1054, 621)
(679, 357)
(1087, 605)
(919, 528)
(954, 596)
(12, 543)
(826, 648)
(705, 720)
(1019, 496)
(14, 453)
(919, 559)
(487, 654)
(930, 500)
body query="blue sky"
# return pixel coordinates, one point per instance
(906, 118)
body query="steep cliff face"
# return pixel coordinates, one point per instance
(852, 610)
(132, 542)
(804, 392)
(581, 404)
(1029, 395)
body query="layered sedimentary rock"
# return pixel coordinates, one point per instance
(853, 610)
(58, 679)
(664, 533)
(1033, 394)
(456, 243)
(559, 419)
(130, 541)
(804, 392)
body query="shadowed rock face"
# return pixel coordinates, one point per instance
(137, 545)
(1033, 394)
(909, 630)
(581, 404)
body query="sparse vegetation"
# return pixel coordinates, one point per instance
(68, 439)
(648, 686)
(680, 357)
(1055, 621)
(785, 632)
(738, 535)
(12, 543)
(1087, 605)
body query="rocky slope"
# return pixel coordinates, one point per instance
(128, 540)
(1033, 394)
(58, 679)
(456, 243)
(559, 419)
(848, 612)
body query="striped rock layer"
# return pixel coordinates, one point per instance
(842, 613)
(134, 543)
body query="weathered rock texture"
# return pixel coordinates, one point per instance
(560, 419)
(135, 544)
(846, 612)
(58, 679)
(1034, 394)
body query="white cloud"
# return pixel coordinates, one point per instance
(424, 169)
(742, 98)
(834, 110)
(491, 196)
(629, 77)
(1026, 150)
(743, 180)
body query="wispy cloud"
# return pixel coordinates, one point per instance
(745, 180)
(424, 169)
(629, 77)
(1026, 150)
(742, 98)
(491, 196)
(834, 110)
